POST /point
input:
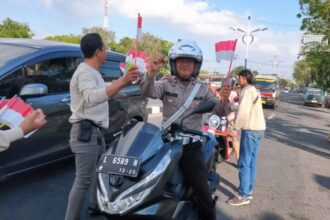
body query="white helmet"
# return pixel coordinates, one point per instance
(186, 49)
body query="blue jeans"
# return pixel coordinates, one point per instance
(247, 164)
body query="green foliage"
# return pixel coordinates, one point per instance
(108, 37)
(316, 20)
(124, 45)
(302, 73)
(73, 39)
(237, 70)
(285, 83)
(14, 29)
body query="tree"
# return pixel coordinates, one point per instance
(238, 69)
(11, 28)
(152, 45)
(108, 37)
(302, 73)
(73, 39)
(124, 45)
(285, 83)
(316, 20)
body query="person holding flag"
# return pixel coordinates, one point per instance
(185, 59)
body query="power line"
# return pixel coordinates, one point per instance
(244, 18)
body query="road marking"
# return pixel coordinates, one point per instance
(271, 116)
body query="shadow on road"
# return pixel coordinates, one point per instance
(323, 181)
(305, 138)
(290, 132)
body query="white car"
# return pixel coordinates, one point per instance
(285, 90)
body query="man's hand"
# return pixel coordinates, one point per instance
(225, 92)
(33, 121)
(131, 76)
(156, 62)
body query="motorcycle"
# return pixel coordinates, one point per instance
(139, 176)
(218, 126)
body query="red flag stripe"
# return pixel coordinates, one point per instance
(229, 45)
(139, 21)
(19, 106)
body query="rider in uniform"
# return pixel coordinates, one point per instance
(185, 59)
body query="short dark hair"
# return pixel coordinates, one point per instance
(248, 74)
(90, 43)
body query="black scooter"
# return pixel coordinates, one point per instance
(139, 176)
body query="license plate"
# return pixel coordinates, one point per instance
(314, 101)
(120, 165)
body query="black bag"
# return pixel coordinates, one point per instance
(85, 131)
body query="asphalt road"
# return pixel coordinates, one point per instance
(293, 177)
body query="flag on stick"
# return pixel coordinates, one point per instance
(225, 50)
(139, 31)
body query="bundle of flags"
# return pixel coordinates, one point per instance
(13, 111)
(135, 58)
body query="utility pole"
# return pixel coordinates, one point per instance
(106, 18)
(248, 37)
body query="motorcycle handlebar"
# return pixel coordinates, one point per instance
(190, 131)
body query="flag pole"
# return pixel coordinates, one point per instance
(138, 32)
(231, 60)
(230, 64)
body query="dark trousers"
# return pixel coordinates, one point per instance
(195, 171)
(86, 157)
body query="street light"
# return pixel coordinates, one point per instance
(247, 37)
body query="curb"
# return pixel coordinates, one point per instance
(154, 109)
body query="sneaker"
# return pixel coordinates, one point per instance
(238, 201)
(250, 197)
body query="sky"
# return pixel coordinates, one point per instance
(205, 21)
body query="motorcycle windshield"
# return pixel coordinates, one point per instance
(143, 140)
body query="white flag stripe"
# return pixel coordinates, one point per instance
(224, 55)
(11, 118)
(139, 34)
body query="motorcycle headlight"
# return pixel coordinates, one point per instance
(214, 121)
(134, 195)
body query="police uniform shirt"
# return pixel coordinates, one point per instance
(174, 93)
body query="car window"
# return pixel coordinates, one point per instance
(54, 73)
(13, 52)
(110, 70)
(11, 84)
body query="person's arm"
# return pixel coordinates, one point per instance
(221, 109)
(33, 121)
(244, 109)
(149, 87)
(8, 136)
(93, 95)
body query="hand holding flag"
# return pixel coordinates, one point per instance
(15, 112)
(138, 60)
(33, 121)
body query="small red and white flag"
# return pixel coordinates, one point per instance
(13, 111)
(139, 28)
(225, 50)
